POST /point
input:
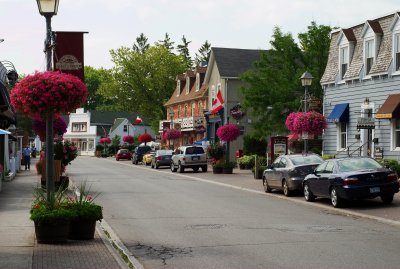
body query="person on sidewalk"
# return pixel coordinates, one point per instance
(26, 152)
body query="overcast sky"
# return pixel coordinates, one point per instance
(224, 23)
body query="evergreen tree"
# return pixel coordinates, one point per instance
(167, 43)
(203, 54)
(183, 50)
(141, 44)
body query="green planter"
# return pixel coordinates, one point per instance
(82, 229)
(228, 170)
(52, 233)
(217, 170)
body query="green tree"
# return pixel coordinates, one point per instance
(143, 82)
(274, 79)
(315, 46)
(167, 43)
(141, 44)
(94, 78)
(203, 54)
(183, 50)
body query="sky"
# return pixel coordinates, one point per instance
(224, 23)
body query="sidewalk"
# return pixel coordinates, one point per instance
(18, 247)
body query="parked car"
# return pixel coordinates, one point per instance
(147, 157)
(162, 157)
(349, 179)
(138, 153)
(189, 157)
(123, 154)
(288, 171)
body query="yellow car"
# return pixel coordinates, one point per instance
(147, 157)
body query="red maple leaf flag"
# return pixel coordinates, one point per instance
(218, 102)
(138, 120)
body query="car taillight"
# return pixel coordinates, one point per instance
(159, 158)
(392, 177)
(350, 181)
(183, 159)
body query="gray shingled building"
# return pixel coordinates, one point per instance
(362, 90)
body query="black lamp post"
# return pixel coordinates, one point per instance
(306, 80)
(49, 8)
(171, 116)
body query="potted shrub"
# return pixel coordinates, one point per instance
(217, 167)
(216, 151)
(99, 150)
(227, 167)
(86, 213)
(51, 216)
(246, 162)
(259, 166)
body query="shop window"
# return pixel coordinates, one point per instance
(396, 134)
(342, 135)
(79, 127)
(344, 61)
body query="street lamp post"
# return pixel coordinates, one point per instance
(49, 8)
(306, 80)
(171, 116)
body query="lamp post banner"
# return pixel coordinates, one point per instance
(68, 54)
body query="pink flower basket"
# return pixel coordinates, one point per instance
(48, 93)
(144, 138)
(228, 132)
(311, 122)
(105, 140)
(59, 127)
(128, 139)
(171, 134)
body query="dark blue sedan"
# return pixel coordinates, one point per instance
(350, 179)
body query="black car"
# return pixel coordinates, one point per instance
(162, 157)
(288, 171)
(349, 179)
(138, 153)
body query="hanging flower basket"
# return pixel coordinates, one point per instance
(48, 93)
(306, 122)
(144, 138)
(128, 139)
(236, 112)
(59, 127)
(172, 134)
(228, 132)
(105, 140)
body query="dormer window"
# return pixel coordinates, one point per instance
(344, 61)
(178, 87)
(369, 48)
(197, 82)
(187, 85)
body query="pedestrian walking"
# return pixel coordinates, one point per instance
(27, 157)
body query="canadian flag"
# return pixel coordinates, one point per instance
(138, 120)
(218, 102)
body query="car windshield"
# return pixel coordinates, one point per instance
(142, 150)
(123, 151)
(306, 159)
(357, 164)
(164, 152)
(195, 150)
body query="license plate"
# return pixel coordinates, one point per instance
(195, 158)
(374, 190)
(167, 158)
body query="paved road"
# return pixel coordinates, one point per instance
(178, 221)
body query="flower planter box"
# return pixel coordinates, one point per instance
(52, 233)
(82, 229)
(227, 170)
(217, 170)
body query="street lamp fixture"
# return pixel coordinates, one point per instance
(49, 8)
(306, 81)
(1, 40)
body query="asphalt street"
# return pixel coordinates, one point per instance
(170, 220)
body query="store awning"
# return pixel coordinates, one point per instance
(340, 113)
(390, 108)
(4, 132)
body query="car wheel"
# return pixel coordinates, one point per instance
(336, 201)
(146, 163)
(117, 159)
(204, 168)
(181, 168)
(152, 165)
(266, 186)
(387, 198)
(173, 169)
(308, 195)
(285, 188)
(196, 168)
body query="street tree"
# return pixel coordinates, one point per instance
(203, 54)
(143, 82)
(273, 79)
(167, 43)
(94, 78)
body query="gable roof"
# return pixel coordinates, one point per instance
(232, 63)
(108, 117)
(117, 122)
